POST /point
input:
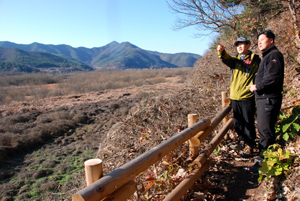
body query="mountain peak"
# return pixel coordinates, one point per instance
(128, 44)
(113, 43)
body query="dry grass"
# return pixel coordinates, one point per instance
(28, 79)
(38, 86)
(28, 129)
(23, 132)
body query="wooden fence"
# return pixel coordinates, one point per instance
(119, 185)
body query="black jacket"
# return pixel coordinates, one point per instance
(270, 74)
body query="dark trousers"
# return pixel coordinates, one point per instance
(267, 113)
(243, 112)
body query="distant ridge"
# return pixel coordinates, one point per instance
(111, 56)
(13, 60)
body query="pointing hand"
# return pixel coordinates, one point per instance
(220, 47)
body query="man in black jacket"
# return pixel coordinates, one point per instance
(268, 90)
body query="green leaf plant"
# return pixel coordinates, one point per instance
(217, 150)
(289, 123)
(276, 162)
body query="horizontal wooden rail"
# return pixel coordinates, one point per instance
(119, 184)
(198, 162)
(122, 193)
(187, 183)
(119, 177)
(200, 137)
(200, 165)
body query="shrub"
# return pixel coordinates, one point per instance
(289, 123)
(49, 186)
(32, 85)
(28, 79)
(80, 118)
(6, 139)
(16, 95)
(55, 128)
(276, 162)
(42, 173)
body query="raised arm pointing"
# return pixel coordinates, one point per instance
(220, 47)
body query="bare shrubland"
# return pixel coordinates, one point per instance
(29, 127)
(39, 85)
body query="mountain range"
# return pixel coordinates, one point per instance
(37, 57)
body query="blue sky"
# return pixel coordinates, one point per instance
(95, 23)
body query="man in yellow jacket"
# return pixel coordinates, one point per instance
(243, 69)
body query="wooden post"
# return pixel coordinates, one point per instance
(93, 170)
(225, 102)
(192, 119)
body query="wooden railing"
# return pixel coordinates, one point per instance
(119, 184)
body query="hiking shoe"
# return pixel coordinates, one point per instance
(238, 147)
(247, 152)
(258, 159)
(241, 145)
(254, 169)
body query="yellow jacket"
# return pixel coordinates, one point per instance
(241, 76)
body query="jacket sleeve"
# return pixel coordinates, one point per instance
(227, 59)
(272, 72)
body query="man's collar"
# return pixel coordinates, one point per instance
(268, 50)
(245, 56)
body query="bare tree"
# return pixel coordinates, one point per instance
(294, 10)
(219, 15)
(212, 15)
(242, 17)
